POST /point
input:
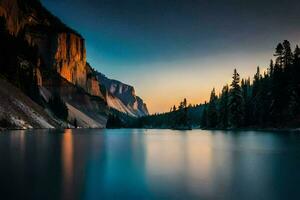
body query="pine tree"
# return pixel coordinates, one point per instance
(279, 90)
(271, 68)
(236, 113)
(287, 54)
(256, 103)
(224, 101)
(246, 92)
(204, 117)
(279, 55)
(181, 106)
(174, 108)
(294, 85)
(212, 113)
(114, 121)
(184, 103)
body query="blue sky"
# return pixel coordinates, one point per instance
(171, 49)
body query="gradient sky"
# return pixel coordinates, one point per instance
(171, 49)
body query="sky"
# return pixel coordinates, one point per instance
(174, 49)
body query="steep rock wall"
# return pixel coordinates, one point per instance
(70, 58)
(60, 47)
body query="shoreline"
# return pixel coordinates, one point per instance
(253, 129)
(213, 129)
(28, 129)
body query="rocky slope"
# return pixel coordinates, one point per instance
(62, 50)
(20, 112)
(122, 97)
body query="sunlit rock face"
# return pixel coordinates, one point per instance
(93, 85)
(60, 47)
(122, 97)
(63, 50)
(70, 58)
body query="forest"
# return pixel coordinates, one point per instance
(271, 99)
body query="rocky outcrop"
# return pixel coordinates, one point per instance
(70, 58)
(93, 85)
(122, 97)
(60, 47)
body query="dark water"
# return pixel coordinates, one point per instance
(149, 164)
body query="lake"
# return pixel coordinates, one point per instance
(149, 164)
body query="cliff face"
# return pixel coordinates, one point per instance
(122, 97)
(70, 58)
(93, 85)
(61, 48)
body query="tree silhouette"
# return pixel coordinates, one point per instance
(212, 114)
(236, 113)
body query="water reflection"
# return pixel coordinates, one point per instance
(67, 161)
(148, 164)
(180, 160)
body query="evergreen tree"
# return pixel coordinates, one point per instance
(246, 91)
(279, 92)
(256, 98)
(182, 120)
(279, 55)
(174, 108)
(294, 85)
(287, 54)
(114, 121)
(212, 113)
(184, 103)
(181, 106)
(271, 68)
(204, 117)
(224, 101)
(236, 113)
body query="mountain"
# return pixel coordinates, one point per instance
(41, 50)
(122, 97)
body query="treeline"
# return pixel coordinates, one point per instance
(184, 116)
(272, 99)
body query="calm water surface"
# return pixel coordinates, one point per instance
(149, 164)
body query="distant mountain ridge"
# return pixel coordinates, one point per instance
(122, 96)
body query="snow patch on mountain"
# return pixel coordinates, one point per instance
(122, 97)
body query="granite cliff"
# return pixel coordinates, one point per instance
(60, 47)
(122, 97)
(62, 66)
